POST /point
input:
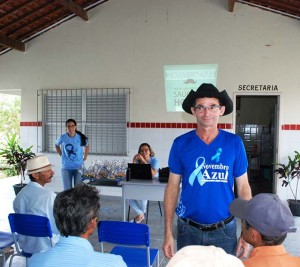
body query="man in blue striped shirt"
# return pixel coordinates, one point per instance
(76, 212)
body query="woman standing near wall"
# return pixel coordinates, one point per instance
(73, 148)
(145, 156)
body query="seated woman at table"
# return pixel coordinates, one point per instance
(145, 156)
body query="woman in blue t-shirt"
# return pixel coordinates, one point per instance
(145, 156)
(73, 148)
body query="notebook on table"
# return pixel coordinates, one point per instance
(139, 171)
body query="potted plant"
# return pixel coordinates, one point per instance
(16, 157)
(290, 173)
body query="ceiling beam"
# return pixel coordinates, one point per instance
(74, 8)
(230, 5)
(10, 43)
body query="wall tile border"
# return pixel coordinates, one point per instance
(173, 125)
(153, 125)
(290, 127)
(31, 123)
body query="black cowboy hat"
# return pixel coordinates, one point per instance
(207, 90)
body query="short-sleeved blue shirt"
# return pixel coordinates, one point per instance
(208, 173)
(72, 151)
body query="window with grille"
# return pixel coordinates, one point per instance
(101, 114)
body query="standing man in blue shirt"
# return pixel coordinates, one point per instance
(206, 161)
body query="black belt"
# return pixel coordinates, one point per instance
(209, 227)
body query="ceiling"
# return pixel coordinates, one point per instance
(290, 8)
(23, 20)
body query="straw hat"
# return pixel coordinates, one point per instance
(38, 164)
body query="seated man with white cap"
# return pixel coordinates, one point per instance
(266, 220)
(36, 199)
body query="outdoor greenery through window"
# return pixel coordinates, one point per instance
(101, 114)
(10, 116)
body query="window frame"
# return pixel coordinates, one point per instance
(101, 113)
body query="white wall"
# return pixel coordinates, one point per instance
(126, 44)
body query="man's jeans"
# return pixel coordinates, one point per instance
(70, 178)
(222, 237)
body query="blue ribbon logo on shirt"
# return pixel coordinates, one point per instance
(197, 173)
(70, 151)
(217, 156)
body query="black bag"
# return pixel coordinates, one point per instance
(164, 174)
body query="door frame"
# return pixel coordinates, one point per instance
(277, 123)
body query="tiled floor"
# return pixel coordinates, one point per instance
(111, 209)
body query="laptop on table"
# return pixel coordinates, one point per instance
(139, 172)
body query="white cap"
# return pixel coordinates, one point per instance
(204, 256)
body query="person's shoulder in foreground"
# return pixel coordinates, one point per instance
(266, 220)
(205, 256)
(76, 252)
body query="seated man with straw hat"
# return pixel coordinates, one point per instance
(36, 199)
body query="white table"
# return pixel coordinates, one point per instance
(115, 191)
(142, 190)
(105, 190)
